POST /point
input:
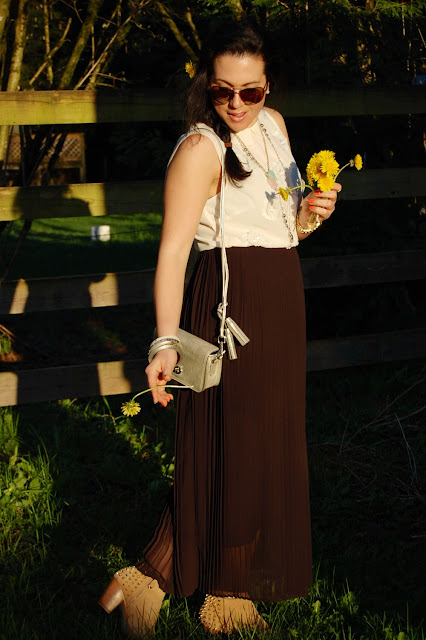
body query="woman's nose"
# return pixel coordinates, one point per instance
(236, 101)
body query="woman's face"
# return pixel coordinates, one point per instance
(238, 72)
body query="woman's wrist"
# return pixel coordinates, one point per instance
(161, 344)
(312, 223)
(164, 338)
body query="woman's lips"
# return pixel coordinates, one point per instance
(237, 117)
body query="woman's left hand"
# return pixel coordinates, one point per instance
(322, 203)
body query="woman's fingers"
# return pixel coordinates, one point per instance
(323, 203)
(159, 373)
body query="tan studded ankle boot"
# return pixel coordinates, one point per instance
(139, 598)
(224, 615)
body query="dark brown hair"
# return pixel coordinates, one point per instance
(238, 39)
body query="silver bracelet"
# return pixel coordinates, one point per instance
(161, 347)
(174, 339)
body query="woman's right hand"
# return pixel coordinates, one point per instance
(159, 373)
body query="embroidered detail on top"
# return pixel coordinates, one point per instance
(252, 239)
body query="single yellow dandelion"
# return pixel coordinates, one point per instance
(190, 69)
(358, 162)
(283, 193)
(325, 182)
(130, 408)
(313, 169)
(329, 164)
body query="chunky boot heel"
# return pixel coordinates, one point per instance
(228, 614)
(139, 598)
(112, 597)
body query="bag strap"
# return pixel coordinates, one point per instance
(222, 306)
(225, 269)
(228, 328)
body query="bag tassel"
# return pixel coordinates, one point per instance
(231, 330)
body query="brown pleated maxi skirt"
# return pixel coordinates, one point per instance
(238, 520)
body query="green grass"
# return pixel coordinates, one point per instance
(81, 490)
(63, 246)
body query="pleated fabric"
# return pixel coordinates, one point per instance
(238, 521)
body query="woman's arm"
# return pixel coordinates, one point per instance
(192, 177)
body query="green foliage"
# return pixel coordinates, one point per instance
(338, 42)
(82, 487)
(28, 505)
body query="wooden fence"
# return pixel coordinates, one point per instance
(103, 290)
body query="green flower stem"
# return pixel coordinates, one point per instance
(344, 167)
(161, 386)
(300, 186)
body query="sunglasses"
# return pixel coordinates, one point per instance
(222, 95)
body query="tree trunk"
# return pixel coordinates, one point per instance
(84, 35)
(15, 68)
(18, 47)
(4, 14)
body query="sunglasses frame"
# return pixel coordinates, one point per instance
(233, 91)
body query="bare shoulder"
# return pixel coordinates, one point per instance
(195, 161)
(279, 120)
(196, 148)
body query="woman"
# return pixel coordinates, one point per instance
(237, 527)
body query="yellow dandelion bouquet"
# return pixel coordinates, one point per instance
(322, 171)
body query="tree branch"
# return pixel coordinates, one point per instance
(46, 27)
(176, 31)
(52, 52)
(96, 67)
(188, 16)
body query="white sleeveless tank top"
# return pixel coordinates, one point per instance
(255, 213)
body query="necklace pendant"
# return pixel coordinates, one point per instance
(272, 179)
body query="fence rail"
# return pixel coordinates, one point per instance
(127, 376)
(118, 198)
(135, 287)
(88, 107)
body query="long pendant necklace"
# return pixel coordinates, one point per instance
(269, 173)
(271, 177)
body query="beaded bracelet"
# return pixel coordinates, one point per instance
(299, 227)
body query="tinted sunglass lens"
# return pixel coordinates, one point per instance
(251, 96)
(221, 95)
